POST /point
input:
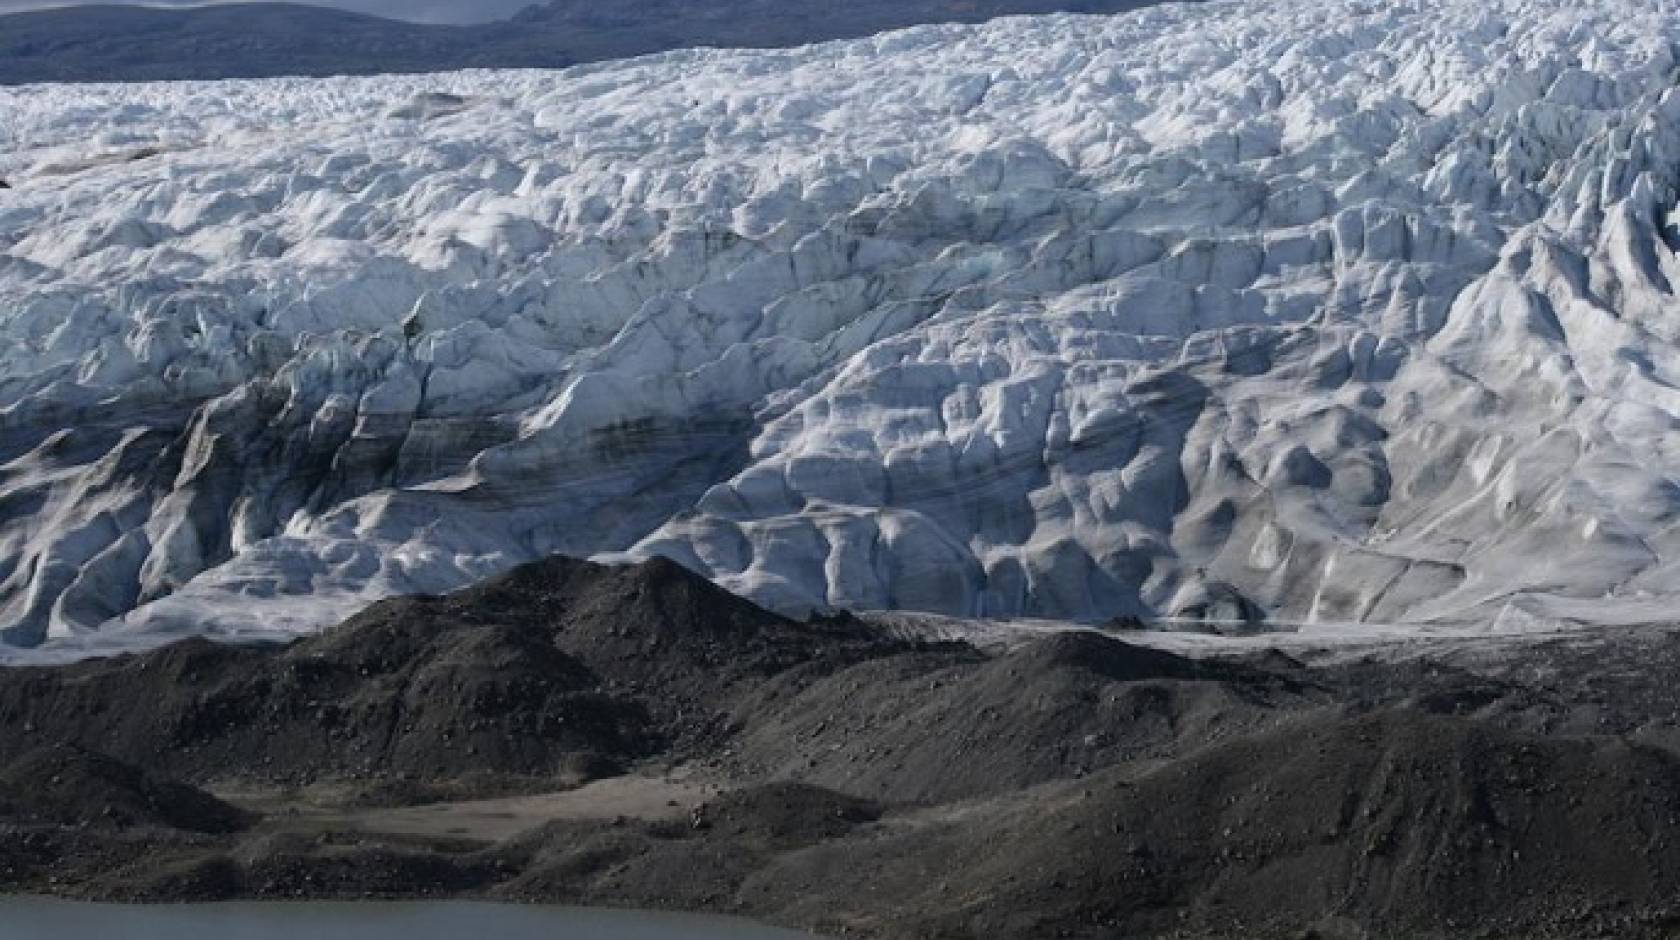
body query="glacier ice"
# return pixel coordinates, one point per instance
(1352, 313)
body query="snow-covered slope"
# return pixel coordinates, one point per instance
(1355, 312)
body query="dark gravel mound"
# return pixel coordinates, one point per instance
(657, 624)
(66, 785)
(478, 698)
(681, 650)
(948, 724)
(556, 665)
(1396, 824)
(1100, 655)
(785, 815)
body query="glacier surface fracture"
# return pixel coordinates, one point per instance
(1356, 312)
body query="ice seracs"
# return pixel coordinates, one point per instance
(1363, 312)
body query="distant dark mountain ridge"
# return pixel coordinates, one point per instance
(257, 40)
(125, 44)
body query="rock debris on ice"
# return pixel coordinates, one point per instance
(1346, 312)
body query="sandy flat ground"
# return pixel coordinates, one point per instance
(644, 797)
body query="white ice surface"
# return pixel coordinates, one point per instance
(1347, 312)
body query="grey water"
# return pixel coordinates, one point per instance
(40, 919)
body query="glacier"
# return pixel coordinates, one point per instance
(1357, 313)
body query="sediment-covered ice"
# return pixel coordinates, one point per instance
(1347, 312)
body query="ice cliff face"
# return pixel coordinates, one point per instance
(1353, 312)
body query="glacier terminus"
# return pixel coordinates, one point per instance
(1350, 312)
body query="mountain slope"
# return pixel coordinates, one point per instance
(1200, 311)
(125, 43)
(254, 40)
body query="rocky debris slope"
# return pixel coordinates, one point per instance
(554, 666)
(1396, 824)
(925, 728)
(564, 668)
(1350, 313)
(69, 786)
(1072, 785)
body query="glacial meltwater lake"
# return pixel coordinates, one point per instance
(39, 919)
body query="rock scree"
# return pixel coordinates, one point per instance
(837, 775)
